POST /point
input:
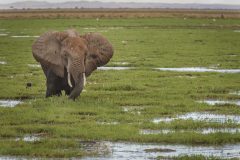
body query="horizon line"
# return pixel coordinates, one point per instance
(118, 2)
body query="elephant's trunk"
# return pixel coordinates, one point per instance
(77, 72)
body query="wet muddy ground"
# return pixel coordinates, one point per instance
(106, 150)
(148, 94)
(125, 150)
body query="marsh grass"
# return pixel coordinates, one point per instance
(150, 43)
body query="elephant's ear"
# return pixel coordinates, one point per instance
(100, 51)
(46, 50)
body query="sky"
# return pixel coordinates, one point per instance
(232, 2)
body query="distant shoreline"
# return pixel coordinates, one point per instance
(114, 5)
(118, 13)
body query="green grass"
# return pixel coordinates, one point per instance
(150, 43)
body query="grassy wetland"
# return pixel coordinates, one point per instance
(139, 105)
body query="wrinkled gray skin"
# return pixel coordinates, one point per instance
(67, 57)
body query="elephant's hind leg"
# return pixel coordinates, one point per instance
(53, 84)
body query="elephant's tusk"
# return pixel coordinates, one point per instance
(69, 80)
(84, 79)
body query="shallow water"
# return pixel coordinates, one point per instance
(201, 116)
(149, 131)
(235, 93)
(215, 102)
(9, 103)
(102, 31)
(205, 116)
(3, 62)
(102, 148)
(12, 158)
(34, 65)
(232, 55)
(143, 151)
(199, 69)
(120, 63)
(22, 75)
(114, 68)
(108, 123)
(90, 28)
(25, 36)
(115, 27)
(190, 77)
(124, 42)
(133, 151)
(29, 138)
(201, 131)
(220, 130)
(133, 109)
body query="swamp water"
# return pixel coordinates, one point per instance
(125, 150)
(34, 65)
(114, 68)
(29, 138)
(3, 62)
(120, 63)
(235, 93)
(199, 69)
(132, 151)
(201, 116)
(142, 151)
(3, 34)
(24, 36)
(133, 109)
(215, 102)
(200, 131)
(9, 103)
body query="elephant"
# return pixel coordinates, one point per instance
(67, 58)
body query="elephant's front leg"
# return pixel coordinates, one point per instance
(53, 84)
